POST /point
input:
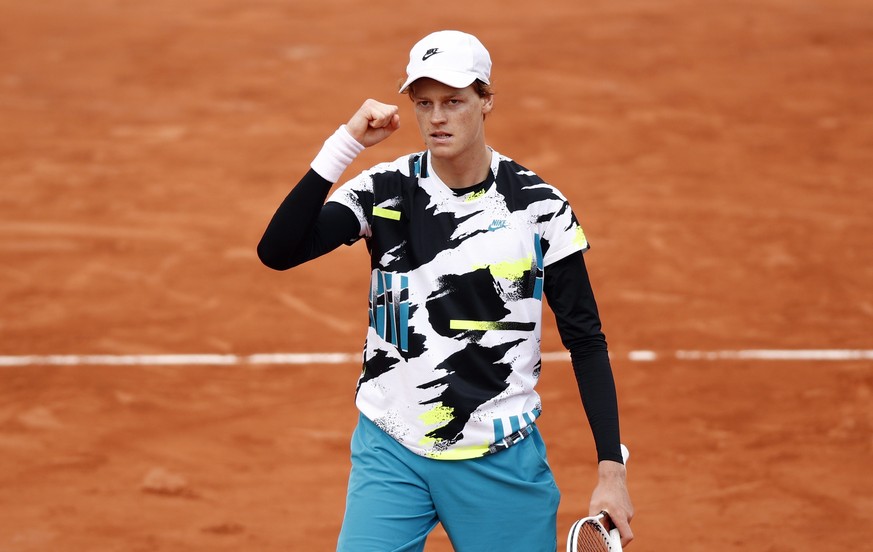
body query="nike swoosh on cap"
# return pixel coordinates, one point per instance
(429, 53)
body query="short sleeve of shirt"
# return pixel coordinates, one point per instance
(562, 234)
(357, 195)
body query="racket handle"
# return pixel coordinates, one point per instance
(614, 540)
(625, 453)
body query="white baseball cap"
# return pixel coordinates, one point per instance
(453, 58)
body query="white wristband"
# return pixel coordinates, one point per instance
(336, 155)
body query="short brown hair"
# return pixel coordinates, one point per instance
(483, 89)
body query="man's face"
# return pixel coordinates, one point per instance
(451, 120)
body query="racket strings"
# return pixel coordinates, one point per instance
(591, 537)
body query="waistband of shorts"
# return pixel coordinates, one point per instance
(511, 439)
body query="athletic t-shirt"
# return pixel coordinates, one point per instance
(452, 353)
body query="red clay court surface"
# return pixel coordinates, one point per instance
(718, 155)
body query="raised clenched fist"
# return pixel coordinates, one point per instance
(373, 122)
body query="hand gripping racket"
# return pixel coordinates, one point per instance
(596, 533)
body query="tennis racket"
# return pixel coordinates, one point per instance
(596, 533)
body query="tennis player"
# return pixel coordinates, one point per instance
(464, 243)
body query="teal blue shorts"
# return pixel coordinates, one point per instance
(503, 501)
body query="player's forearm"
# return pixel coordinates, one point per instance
(570, 296)
(597, 390)
(291, 226)
(293, 235)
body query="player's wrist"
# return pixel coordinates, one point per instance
(609, 469)
(337, 153)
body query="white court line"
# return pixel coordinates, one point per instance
(118, 360)
(642, 356)
(287, 359)
(779, 354)
(179, 360)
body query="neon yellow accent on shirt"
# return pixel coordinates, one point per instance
(460, 453)
(480, 325)
(475, 195)
(579, 239)
(510, 270)
(438, 415)
(386, 213)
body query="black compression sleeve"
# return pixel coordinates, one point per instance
(568, 290)
(304, 227)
